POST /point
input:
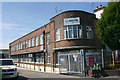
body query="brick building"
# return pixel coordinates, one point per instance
(67, 44)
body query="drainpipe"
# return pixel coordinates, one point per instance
(44, 49)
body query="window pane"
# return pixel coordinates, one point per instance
(41, 39)
(70, 31)
(32, 42)
(29, 42)
(36, 41)
(75, 31)
(37, 57)
(65, 33)
(58, 34)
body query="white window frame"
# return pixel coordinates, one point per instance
(66, 32)
(58, 34)
(29, 44)
(33, 42)
(41, 39)
(36, 40)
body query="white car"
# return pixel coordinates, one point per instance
(8, 68)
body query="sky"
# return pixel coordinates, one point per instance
(20, 18)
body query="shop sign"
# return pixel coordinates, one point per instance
(72, 21)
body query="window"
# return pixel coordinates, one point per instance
(89, 32)
(37, 57)
(26, 57)
(48, 47)
(21, 46)
(41, 39)
(26, 44)
(32, 42)
(72, 32)
(48, 38)
(42, 58)
(29, 43)
(36, 41)
(58, 34)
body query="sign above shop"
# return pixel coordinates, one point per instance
(72, 21)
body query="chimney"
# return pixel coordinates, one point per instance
(100, 6)
(97, 7)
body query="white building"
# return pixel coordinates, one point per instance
(98, 11)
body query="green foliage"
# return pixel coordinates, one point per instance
(109, 26)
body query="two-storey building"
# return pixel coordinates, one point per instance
(67, 44)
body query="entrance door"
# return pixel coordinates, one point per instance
(71, 63)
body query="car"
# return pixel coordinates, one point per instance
(8, 69)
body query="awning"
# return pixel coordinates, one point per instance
(28, 52)
(74, 47)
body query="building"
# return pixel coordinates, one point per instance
(98, 11)
(67, 44)
(4, 53)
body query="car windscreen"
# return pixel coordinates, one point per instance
(6, 62)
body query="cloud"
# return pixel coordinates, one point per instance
(12, 26)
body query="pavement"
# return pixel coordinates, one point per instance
(27, 74)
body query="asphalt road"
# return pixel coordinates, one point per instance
(25, 74)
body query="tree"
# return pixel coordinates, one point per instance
(109, 26)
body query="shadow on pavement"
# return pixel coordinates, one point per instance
(19, 78)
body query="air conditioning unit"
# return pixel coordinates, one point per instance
(88, 28)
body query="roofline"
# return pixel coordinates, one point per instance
(51, 21)
(30, 32)
(99, 9)
(71, 11)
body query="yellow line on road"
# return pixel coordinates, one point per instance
(27, 72)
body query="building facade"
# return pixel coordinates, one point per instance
(4, 53)
(67, 44)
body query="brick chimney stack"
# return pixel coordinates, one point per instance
(100, 6)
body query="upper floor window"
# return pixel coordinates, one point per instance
(21, 46)
(48, 38)
(29, 43)
(26, 44)
(72, 32)
(36, 41)
(89, 32)
(58, 34)
(32, 42)
(41, 39)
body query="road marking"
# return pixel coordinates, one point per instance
(27, 72)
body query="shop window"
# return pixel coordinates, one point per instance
(37, 58)
(58, 34)
(29, 56)
(72, 32)
(41, 39)
(36, 41)
(32, 42)
(29, 43)
(89, 32)
(26, 57)
(41, 58)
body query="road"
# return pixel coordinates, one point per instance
(25, 74)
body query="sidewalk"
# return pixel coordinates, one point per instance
(57, 75)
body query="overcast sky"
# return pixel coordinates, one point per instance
(20, 18)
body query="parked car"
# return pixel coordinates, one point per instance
(8, 69)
